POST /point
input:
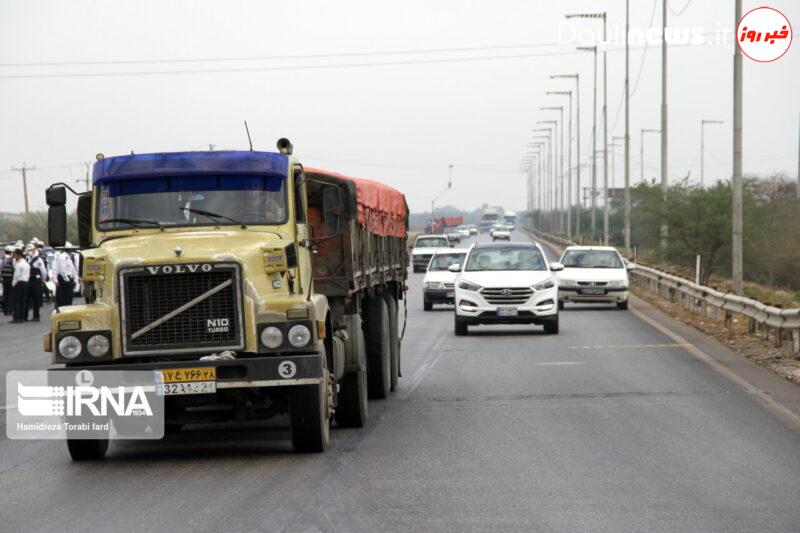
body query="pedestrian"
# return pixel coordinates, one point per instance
(65, 276)
(19, 284)
(38, 275)
(7, 272)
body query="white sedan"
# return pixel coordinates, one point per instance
(593, 274)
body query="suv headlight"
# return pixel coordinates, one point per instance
(467, 286)
(299, 335)
(546, 284)
(433, 285)
(567, 282)
(69, 347)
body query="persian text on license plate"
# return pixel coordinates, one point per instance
(183, 375)
(506, 311)
(191, 387)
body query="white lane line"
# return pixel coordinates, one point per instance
(762, 396)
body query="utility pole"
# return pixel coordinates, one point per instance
(641, 148)
(559, 188)
(23, 170)
(577, 147)
(552, 196)
(664, 130)
(569, 163)
(85, 179)
(627, 133)
(547, 142)
(613, 144)
(703, 147)
(736, 241)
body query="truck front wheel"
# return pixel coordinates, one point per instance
(308, 417)
(351, 409)
(379, 365)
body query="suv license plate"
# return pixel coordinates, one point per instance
(506, 311)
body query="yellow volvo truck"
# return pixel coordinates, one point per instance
(252, 286)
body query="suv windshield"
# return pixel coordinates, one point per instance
(169, 201)
(431, 242)
(443, 261)
(591, 259)
(505, 259)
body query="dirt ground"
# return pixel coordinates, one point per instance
(780, 360)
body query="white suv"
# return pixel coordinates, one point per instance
(509, 283)
(593, 274)
(424, 247)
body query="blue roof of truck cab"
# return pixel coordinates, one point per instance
(190, 163)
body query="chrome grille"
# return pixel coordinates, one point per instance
(213, 323)
(507, 296)
(449, 285)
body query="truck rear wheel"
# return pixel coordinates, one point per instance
(351, 410)
(378, 342)
(87, 449)
(308, 417)
(394, 339)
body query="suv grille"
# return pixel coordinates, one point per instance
(507, 296)
(202, 308)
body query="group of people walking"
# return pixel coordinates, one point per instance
(25, 273)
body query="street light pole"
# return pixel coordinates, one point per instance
(736, 241)
(559, 192)
(552, 193)
(449, 185)
(703, 147)
(627, 132)
(577, 148)
(664, 130)
(546, 171)
(641, 148)
(593, 49)
(569, 164)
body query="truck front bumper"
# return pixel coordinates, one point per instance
(271, 371)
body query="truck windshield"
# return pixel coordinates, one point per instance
(179, 201)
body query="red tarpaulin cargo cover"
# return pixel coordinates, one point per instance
(381, 209)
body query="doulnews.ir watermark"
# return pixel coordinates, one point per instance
(764, 34)
(80, 404)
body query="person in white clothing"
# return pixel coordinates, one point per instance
(65, 276)
(19, 286)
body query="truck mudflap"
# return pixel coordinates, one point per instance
(271, 371)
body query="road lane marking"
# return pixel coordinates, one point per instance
(623, 346)
(721, 369)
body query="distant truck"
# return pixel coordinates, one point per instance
(489, 218)
(299, 271)
(510, 219)
(442, 224)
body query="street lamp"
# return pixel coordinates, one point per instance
(560, 179)
(540, 170)
(569, 161)
(553, 158)
(576, 77)
(593, 49)
(641, 147)
(702, 147)
(603, 16)
(547, 168)
(449, 186)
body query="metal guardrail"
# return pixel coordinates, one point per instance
(783, 323)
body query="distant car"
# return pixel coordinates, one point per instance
(508, 283)
(463, 230)
(593, 274)
(424, 247)
(501, 233)
(453, 235)
(438, 286)
(473, 230)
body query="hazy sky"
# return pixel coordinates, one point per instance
(400, 118)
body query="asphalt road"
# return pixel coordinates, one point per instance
(611, 425)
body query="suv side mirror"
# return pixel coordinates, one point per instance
(332, 209)
(556, 266)
(454, 268)
(56, 197)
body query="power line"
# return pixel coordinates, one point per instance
(679, 13)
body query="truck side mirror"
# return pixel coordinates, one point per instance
(56, 197)
(85, 220)
(332, 209)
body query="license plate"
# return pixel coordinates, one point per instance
(450, 294)
(191, 387)
(593, 291)
(506, 311)
(184, 375)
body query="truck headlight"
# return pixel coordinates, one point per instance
(271, 337)
(69, 347)
(299, 335)
(546, 284)
(467, 286)
(98, 345)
